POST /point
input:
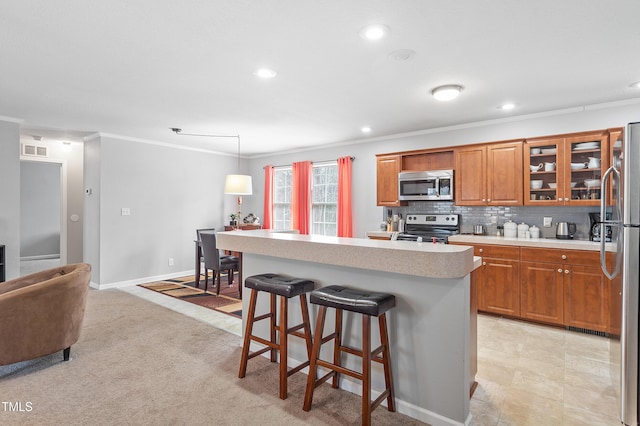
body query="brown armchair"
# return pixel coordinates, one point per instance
(42, 313)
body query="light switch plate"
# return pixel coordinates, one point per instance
(546, 222)
(126, 211)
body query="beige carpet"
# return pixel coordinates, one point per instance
(141, 364)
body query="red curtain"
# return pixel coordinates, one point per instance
(300, 191)
(345, 209)
(267, 217)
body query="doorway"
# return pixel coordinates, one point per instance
(42, 209)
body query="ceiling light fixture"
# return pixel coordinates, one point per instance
(447, 92)
(374, 32)
(366, 129)
(265, 73)
(402, 54)
(507, 106)
(234, 184)
(635, 85)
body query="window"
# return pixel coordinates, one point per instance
(282, 198)
(324, 199)
(324, 204)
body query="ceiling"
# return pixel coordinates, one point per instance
(136, 68)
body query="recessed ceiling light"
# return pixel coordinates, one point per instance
(265, 73)
(635, 85)
(374, 32)
(507, 106)
(366, 129)
(447, 92)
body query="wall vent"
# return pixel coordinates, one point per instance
(34, 150)
(587, 331)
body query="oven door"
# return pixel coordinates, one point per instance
(419, 188)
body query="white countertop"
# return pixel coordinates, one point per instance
(551, 243)
(403, 257)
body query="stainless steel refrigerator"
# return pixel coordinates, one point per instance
(623, 178)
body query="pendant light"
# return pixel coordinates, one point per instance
(238, 185)
(234, 184)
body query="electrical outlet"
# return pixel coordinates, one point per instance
(125, 211)
(546, 222)
(494, 219)
(171, 261)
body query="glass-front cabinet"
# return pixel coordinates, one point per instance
(565, 170)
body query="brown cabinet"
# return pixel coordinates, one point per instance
(553, 286)
(541, 292)
(565, 170)
(389, 165)
(387, 169)
(489, 174)
(497, 279)
(565, 287)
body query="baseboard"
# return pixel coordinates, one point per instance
(40, 257)
(137, 281)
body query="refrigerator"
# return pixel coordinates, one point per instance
(623, 179)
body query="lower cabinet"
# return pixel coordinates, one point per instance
(553, 286)
(586, 298)
(498, 280)
(541, 292)
(565, 287)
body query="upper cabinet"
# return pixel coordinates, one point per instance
(387, 169)
(565, 170)
(561, 170)
(389, 165)
(489, 174)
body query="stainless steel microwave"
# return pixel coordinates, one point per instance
(436, 185)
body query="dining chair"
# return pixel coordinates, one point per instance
(204, 231)
(199, 258)
(216, 262)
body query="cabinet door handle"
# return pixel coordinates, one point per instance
(488, 200)
(559, 199)
(484, 263)
(566, 199)
(560, 270)
(484, 200)
(564, 256)
(566, 271)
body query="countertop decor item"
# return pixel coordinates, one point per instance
(510, 229)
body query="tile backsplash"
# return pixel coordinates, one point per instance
(475, 215)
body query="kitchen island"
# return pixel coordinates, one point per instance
(432, 327)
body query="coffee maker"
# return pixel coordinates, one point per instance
(594, 234)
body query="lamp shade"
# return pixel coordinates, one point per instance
(238, 185)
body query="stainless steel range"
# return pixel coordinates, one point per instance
(430, 227)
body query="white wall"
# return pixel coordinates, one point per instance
(170, 193)
(367, 216)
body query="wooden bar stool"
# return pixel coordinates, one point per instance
(368, 304)
(286, 288)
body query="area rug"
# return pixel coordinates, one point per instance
(184, 289)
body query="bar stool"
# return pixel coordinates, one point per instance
(286, 288)
(368, 304)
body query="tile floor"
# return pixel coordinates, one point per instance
(531, 374)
